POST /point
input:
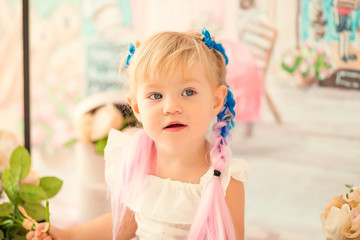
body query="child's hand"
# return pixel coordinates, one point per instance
(38, 234)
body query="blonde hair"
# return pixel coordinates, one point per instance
(170, 52)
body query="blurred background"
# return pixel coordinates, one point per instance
(294, 71)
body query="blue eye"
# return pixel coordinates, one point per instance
(155, 96)
(188, 92)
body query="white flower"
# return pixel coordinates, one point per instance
(289, 61)
(335, 221)
(303, 67)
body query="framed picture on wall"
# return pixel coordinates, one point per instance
(335, 25)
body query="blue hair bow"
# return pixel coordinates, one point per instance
(212, 44)
(131, 53)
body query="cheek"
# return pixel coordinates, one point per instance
(149, 116)
(202, 116)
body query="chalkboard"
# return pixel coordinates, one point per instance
(343, 78)
(102, 66)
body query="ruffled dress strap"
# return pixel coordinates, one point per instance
(238, 169)
(116, 143)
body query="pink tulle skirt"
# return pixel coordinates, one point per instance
(245, 81)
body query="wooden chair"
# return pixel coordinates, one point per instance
(260, 39)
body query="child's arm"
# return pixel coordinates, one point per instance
(235, 199)
(99, 228)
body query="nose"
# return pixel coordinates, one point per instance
(172, 106)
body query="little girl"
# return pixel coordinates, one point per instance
(169, 181)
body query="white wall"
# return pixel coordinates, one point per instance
(285, 21)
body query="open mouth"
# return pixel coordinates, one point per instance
(175, 125)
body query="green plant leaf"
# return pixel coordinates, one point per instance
(5, 209)
(20, 238)
(100, 145)
(36, 211)
(51, 185)
(1, 234)
(70, 143)
(7, 223)
(32, 193)
(10, 183)
(20, 162)
(18, 233)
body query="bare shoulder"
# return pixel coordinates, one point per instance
(235, 194)
(235, 199)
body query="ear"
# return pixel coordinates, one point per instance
(135, 108)
(219, 98)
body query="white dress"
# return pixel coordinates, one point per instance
(166, 208)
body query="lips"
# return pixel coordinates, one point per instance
(175, 125)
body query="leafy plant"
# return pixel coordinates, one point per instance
(25, 201)
(309, 60)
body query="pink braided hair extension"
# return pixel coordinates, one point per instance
(135, 165)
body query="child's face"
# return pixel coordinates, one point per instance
(176, 111)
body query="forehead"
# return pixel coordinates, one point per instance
(196, 74)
